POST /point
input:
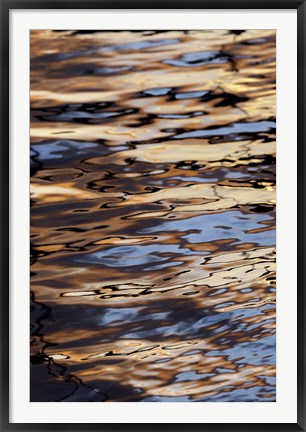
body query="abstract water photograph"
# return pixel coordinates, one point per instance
(153, 215)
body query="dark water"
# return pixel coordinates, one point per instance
(153, 216)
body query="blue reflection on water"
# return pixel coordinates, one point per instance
(190, 376)
(228, 225)
(141, 45)
(255, 353)
(127, 256)
(191, 95)
(70, 149)
(198, 58)
(234, 128)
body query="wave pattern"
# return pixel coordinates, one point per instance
(153, 216)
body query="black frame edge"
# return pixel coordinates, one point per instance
(301, 126)
(4, 214)
(5, 7)
(158, 4)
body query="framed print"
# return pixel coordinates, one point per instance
(152, 216)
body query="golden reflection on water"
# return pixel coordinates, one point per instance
(153, 216)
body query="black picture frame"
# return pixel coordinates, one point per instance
(6, 7)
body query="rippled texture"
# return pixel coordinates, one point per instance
(153, 216)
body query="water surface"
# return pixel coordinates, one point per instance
(153, 216)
